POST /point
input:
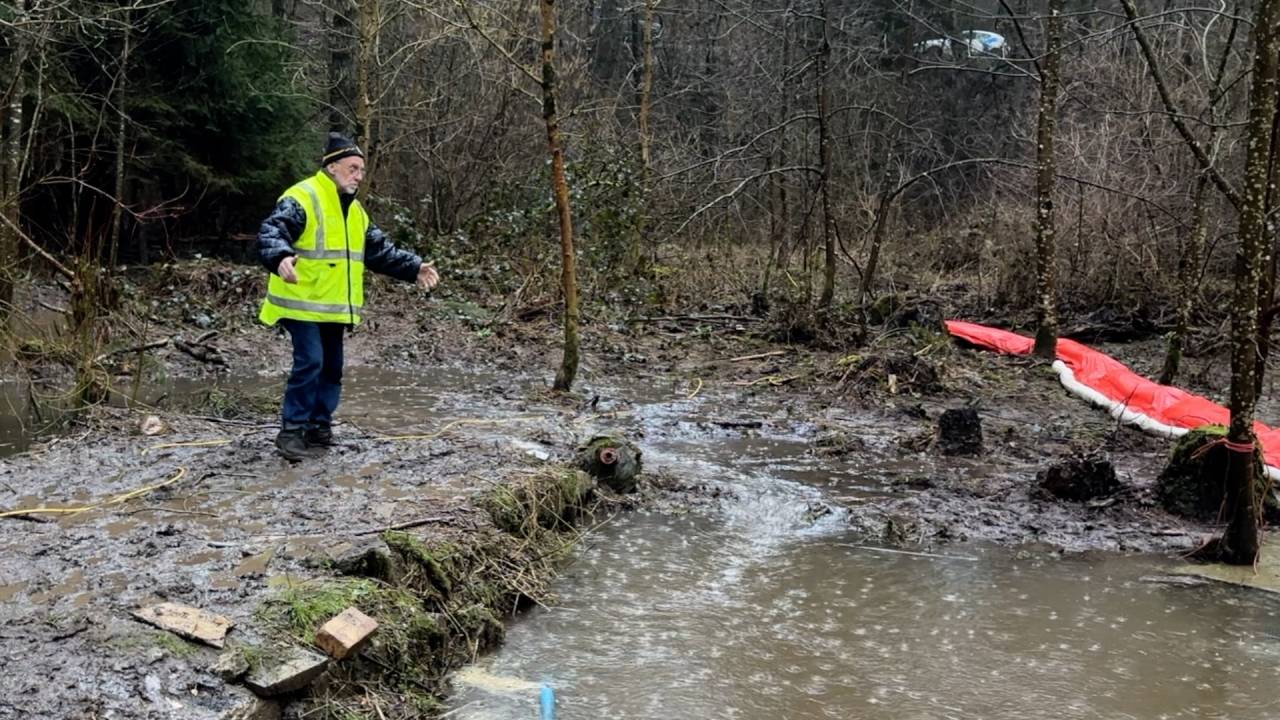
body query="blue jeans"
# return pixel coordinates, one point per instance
(315, 384)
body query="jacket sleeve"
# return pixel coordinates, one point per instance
(279, 231)
(382, 256)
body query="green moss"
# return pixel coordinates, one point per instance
(1191, 484)
(506, 508)
(436, 562)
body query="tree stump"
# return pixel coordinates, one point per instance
(960, 432)
(1080, 478)
(1191, 485)
(611, 460)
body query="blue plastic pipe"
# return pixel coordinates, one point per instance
(548, 700)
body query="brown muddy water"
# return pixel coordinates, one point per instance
(383, 400)
(761, 608)
(761, 605)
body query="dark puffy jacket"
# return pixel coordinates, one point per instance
(287, 221)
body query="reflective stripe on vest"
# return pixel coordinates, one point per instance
(317, 211)
(354, 256)
(306, 306)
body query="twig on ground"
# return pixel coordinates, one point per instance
(231, 421)
(695, 318)
(406, 525)
(135, 349)
(176, 511)
(195, 443)
(745, 424)
(758, 356)
(774, 380)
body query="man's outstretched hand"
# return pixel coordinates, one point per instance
(286, 270)
(427, 276)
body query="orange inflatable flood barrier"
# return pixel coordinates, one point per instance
(1129, 397)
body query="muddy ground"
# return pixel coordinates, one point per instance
(238, 524)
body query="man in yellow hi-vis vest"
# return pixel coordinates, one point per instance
(317, 243)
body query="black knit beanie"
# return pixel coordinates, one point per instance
(339, 146)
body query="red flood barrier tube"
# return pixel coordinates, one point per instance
(1129, 397)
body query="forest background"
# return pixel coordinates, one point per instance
(814, 159)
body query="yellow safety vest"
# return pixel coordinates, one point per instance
(330, 263)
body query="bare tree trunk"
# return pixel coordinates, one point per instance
(646, 88)
(10, 173)
(122, 128)
(1188, 268)
(637, 250)
(1241, 539)
(370, 17)
(560, 187)
(879, 222)
(877, 240)
(824, 152)
(760, 299)
(1046, 251)
(1267, 284)
(341, 75)
(608, 40)
(782, 223)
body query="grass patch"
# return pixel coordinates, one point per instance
(548, 500)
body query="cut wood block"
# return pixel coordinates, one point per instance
(346, 633)
(188, 622)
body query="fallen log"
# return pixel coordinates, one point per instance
(203, 353)
(135, 349)
(611, 460)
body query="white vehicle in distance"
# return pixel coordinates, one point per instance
(967, 43)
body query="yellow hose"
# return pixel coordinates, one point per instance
(113, 500)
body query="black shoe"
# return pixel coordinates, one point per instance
(292, 445)
(320, 436)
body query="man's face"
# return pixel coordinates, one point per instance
(347, 174)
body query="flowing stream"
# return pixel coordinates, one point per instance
(759, 609)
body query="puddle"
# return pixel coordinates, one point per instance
(254, 565)
(8, 592)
